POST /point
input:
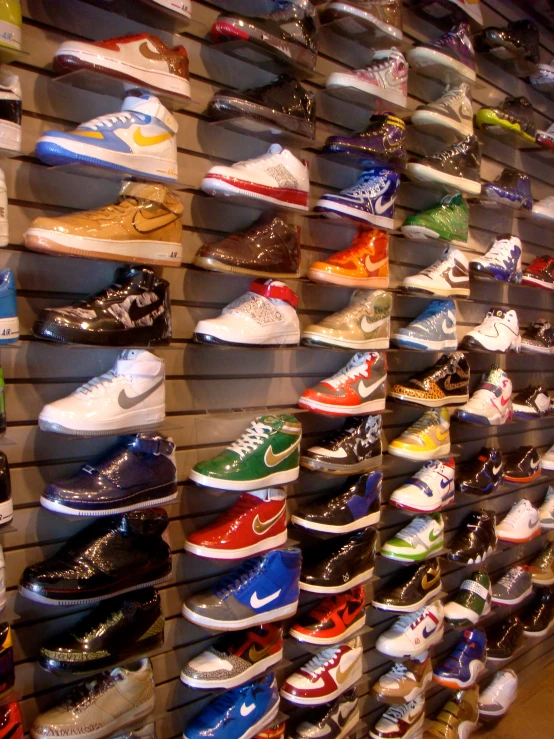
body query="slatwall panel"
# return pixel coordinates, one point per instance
(213, 393)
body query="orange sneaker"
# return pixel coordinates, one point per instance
(365, 263)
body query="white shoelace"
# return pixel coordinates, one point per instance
(356, 367)
(251, 438)
(509, 578)
(516, 512)
(110, 120)
(414, 528)
(497, 252)
(98, 384)
(318, 663)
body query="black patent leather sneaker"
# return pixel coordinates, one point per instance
(123, 628)
(458, 166)
(114, 555)
(476, 538)
(6, 505)
(445, 383)
(353, 449)
(139, 472)
(538, 617)
(382, 143)
(522, 465)
(519, 38)
(7, 670)
(503, 638)
(532, 402)
(411, 589)
(482, 474)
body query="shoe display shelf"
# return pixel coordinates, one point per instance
(96, 171)
(545, 152)
(512, 65)
(173, 17)
(498, 208)
(510, 138)
(8, 55)
(263, 130)
(365, 100)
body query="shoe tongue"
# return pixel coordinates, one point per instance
(152, 521)
(150, 105)
(275, 149)
(270, 420)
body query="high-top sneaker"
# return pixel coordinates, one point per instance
(498, 332)
(384, 16)
(519, 38)
(432, 330)
(451, 113)
(427, 438)
(448, 220)
(381, 144)
(458, 717)
(408, 719)
(540, 273)
(476, 538)
(511, 188)
(512, 115)
(538, 338)
(471, 602)
(499, 694)
(501, 262)
(429, 490)
(385, 77)
(365, 263)
(10, 110)
(351, 450)
(405, 681)
(330, 720)
(445, 383)
(490, 404)
(448, 277)
(465, 664)
(481, 474)
(454, 51)
(458, 166)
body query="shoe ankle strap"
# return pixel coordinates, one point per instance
(150, 444)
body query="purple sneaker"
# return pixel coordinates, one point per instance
(454, 51)
(501, 262)
(381, 144)
(511, 188)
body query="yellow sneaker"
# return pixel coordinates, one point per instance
(458, 717)
(10, 24)
(427, 438)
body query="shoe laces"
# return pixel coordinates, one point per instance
(497, 253)
(369, 185)
(112, 119)
(510, 578)
(459, 148)
(403, 622)
(356, 367)
(399, 670)
(98, 385)
(414, 528)
(450, 95)
(515, 513)
(358, 243)
(273, 151)
(429, 312)
(251, 439)
(86, 693)
(424, 423)
(236, 580)
(323, 610)
(436, 269)
(318, 664)
(396, 713)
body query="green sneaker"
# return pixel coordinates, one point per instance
(471, 602)
(266, 454)
(10, 24)
(448, 220)
(417, 541)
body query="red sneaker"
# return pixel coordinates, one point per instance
(276, 731)
(11, 721)
(540, 273)
(256, 523)
(333, 619)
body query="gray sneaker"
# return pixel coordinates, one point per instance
(452, 112)
(433, 330)
(546, 511)
(513, 587)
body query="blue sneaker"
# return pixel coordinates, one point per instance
(370, 200)
(240, 713)
(465, 665)
(9, 322)
(511, 189)
(261, 590)
(433, 330)
(501, 262)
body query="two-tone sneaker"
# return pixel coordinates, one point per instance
(522, 464)
(547, 459)
(465, 664)
(385, 78)
(498, 332)
(448, 220)
(444, 383)
(449, 116)
(426, 439)
(381, 144)
(457, 167)
(429, 490)
(498, 696)
(401, 721)
(540, 273)
(481, 474)
(365, 263)
(332, 620)
(351, 450)
(411, 635)
(476, 538)
(405, 681)
(546, 510)
(513, 587)
(459, 716)
(419, 540)
(532, 402)
(501, 262)
(511, 189)
(432, 330)
(453, 52)
(521, 524)
(448, 277)
(411, 588)
(490, 404)
(538, 338)
(340, 563)
(336, 720)
(542, 567)
(518, 38)
(512, 115)
(471, 602)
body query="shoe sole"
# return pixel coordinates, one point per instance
(535, 282)
(429, 346)
(420, 233)
(213, 265)
(244, 191)
(420, 509)
(312, 339)
(408, 609)
(460, 292)
(489, 122)
(138, 336)
(436, 637)
(472, 342)
(424, 173)
(537, 634)
(232, 682)
(358, 580)
(263, 546)
(265, 721)
(277, 614)
(421, 57)
(323, 641)
(435, 123)
(332, 209)
(129, 423)
(339, 81)
(137, 504)
(523, 479)
(430, 402)
(278, 341)
(519, 541)
(476, 669)
(333, 410)
(361, 523)
(275, 479)
(514, 601)
(474, 418)
(337, 469)
(480, 558)
(368, 282)
(354, 676)
(414, 558)
(6, 512)
(441, 451)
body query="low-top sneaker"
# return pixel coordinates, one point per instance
(546, 511)
(465, 664)
(511, 189)
(503, 638)
(501, 262)
(429, 490)
(453, 52)
(405, 681)
(448, 117)
(521, 524)
(419, 540)
(333, 721)
(427, 438)
(522, 464)
(538, 338)
(513, 115)
(540, 273)
(412, 635)
(513, 587)
(490, 404)
(448, 221)
(332, 620)
(532, 402)
(457, 167)
(543, 210)
(411, 588)
(385, 78)
(433, 330)
(445, 383)
(547, 459)
(448, 277)
(538, 617)
(482, 474)
(471, 602)
(476, 538)
(518, 38)
(404, 721)
(498, 696)
(365, 263)
(542, 567)
(498, 332)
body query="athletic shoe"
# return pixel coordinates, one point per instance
(6, 503)
(263, 316)
(546, 511)
(490, 404)
(522, 465)
(334, 721)
(540, 273)
(501, 262)
(538, 617)
(503, 638)
(512, 115)
(543, 210)
(465, 664)
(429, 490)
(381, 144)
(276, 177)
(357, 388)
(458, 167)
(140, 140)
(266, 454)
(433, 330)
(339, 564)
(521, 524)
(10, 24)
(142, 59)
(471, 602)
(180, 10)
(365, 263)
(546, 138)
(259, 591)
(410, 589)
(143, 225)
(10, 109)
(426, 439)
(499, 694)
(2, 404)
(333, 619)
(363, 325)
(351, 450)
(401, 721)
(481, 474)
(448, 221)
(4, 229)
(547, 459)
(538, 338)
(476, 538)
(448, 277)
(274, 731)
(371, 200)
(513, 587)
(419, 540)
(235, 659)
(140, 472)
(519, 38)
(453, 52)
(445, 383)
(385, 78)
(7, 669)
(511, 188)
(9, 322)
(458, 717)
(356, 506)
(405, 681)
(412, 635)
(11, 721)
(451, 113)
(381, 16)
(542, 567)
(240, 713)
(2, 581)
(498, 332)
(134, 310)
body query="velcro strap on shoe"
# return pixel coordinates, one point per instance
(276, 290)
(475, 587)
(150, 444)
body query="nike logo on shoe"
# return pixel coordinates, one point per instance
(260, 527)
(374, 266)
(272, 460)
(365, 391)
(381, 207)
(247, 710)
(142, 140)
(126, 402)
(256, 602)
(367, 326)
(427, 632)
(136, 311)
(448, 329)
(496, 470)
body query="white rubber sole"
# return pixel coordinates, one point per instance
(361, 523)
(543, 583)
(264, 722)
(356, 12)
(366, 345)
(440, 451)
(220, 188)
(279, 338)
(408, 609)
(424, 173)
(414, 732)
(537, 634)
(546, 465)
(130, 718)
(352, 629)
(476, 669)
(262, 546)
(358, 580)
(368, 282)
(514, 602)
(420, 233)
(352, 410)
(413, 509)
(337, 210)
(124, 423)
(275, 479)
(466, 728)
(10, 136)
(539, 283)
(540, 215)
(9, 330)
(232, 682)
(422, 57)
(428, 346)
(340, 79)
(435, 123)
(56, 507)
(354, 676)
(415, 559)
(431, 402)
(435, 638)
(260, 618)
(6, 512)
(477, 560)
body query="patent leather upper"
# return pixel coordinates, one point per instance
(339, 560)
(476, 535)
(410, 587)
(522, 463)
(504, 637)
(482, 474)
(540, 613)
(360, 498)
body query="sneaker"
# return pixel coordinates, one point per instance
(522, 465)
(382, 144)
(259, 591)
(11, 721)
(543, 210)
(235, 658)
(411, 635)
(6, 503)
(354, 449)
(357, 388)
(481, 474)
(401, 721)
(334, 721)
(371, 200)
(9, 322)
(143, 225)
(521, 524)
(2, 404)
(500, 693)
(134, 310)
(365, 263)
(356, 506)
(453, 52)
(364, 324)
(540, 273)
(426, 439)
(498, 332)
(476, 538)
(519, 38)
(381, 16)
(429, 490)
(115, 700)
(458, 167)
(546, 511)
(511, 189)
(501, 262)
(116, 141)
(432, 330)
(419, 540)
(10, 109)
(276, 177)
(448, 277)
(405, 681)
(255, 523)
(471, 602)
(546, 138)
(513, 587)
(273, 731)
(452, 112)
(7, 669)
(265, 455)
(269, 248)
(458, 717)
(448, 221)
(538, 338)
(10, 24)
(142, 59)
(263, 316)
(490, 404)
(465, 664)
(538, 617)
(542, 567)
(327, 675)
(547, 459)
(180, 10)
(512, 115)
(333, 619)
(385, 78)
(503, 638)
(445, 383)
(128, 398)
(410, 589)
(339, 564)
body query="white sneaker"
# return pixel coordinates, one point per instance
(490, 404)
(499, 695)
(127, 399)
(414, 633)
(265, 315)
(2, 580)
(498, 332)
(429, 490)
(10, 97)
(521, 524)
(386, 77)
(453, 111)
(501, 262)
(546, 511)
(547, 459)
(405, 720)
(4, 230)
(275, 177)
(447, 277)
(543, 210)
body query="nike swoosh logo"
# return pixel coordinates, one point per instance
(256, 602)
(374, 266)
(367, 326)
(136, 312)
(341, 676)
(260, 527)
(433, 536)
(445, 483)
(381, 207)
(142, 140)
(126, 402)
(441, 436)
(146, 225)
(349, 617)
(272, 460)
(534, 465)
(446, 329)
(247, 710)
(146, 52)
(496, 470)
(463, 278)
(256, 654)
(532, 524)
(427, 633)
(449, 385)
(504, 402)
(428, 582)
(364, 391)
